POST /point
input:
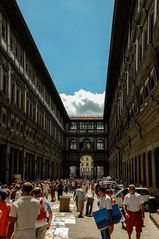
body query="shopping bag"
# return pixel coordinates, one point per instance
(101, 217)
(116, 214)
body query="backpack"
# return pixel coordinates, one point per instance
(42, 214)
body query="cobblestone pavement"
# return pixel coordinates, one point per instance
(85, 228)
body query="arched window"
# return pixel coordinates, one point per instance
(73, 144)
(100, 144)
(86, 144)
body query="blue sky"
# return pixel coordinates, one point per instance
(73, 38)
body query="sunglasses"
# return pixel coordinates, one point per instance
(132, 188)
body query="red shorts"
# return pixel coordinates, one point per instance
(134, 220)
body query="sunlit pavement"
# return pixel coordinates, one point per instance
(85, 228)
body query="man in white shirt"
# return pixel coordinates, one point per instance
(105, 202)
(79, 196)
(23, 215)
(133, 205)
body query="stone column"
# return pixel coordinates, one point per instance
(36, 109)
(25, 99)
(1, 76)
(9, 83)
(56, 170)
(52, 170)
(153, 172)
(44, 167)
(26, 166)
(23, 164)
(11, 163)
(147, 170)
(6, 162)
(143, 168)
(155, 10)
(18, 168)
(50, 164)
(36, 164)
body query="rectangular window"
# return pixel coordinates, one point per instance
(31, 110)
(34, 112)
(18, 98)
(157, 7)
(12, 42)
(100, 126)
(73, 126)
(27, 108)
(12, 93)
(12, 122)
(3, 28)
(151, 23)
(22, 101)
(5, 83)
(21, 56)
(82, 125)
(4, 117)
(139, 52)
(145, 40)
(90, 125)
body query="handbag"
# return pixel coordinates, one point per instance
(101, 217)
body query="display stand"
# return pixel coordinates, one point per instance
(64, 204)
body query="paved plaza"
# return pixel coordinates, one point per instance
(85, 228)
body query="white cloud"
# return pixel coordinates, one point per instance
(83, 103)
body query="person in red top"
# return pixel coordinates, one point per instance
(4, 214)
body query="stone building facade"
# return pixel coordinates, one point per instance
(32, 116)
(86, 147)
(132, 92)
(37, 138)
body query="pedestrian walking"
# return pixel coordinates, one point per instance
(89, 204)
(45, 189)
(23, 215)
(53, 190)
(43, 220)
(97, 187)
(105, 202)
(79, 197)
(60, 188)
(133, 205)
(93, 189)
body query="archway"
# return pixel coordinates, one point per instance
(72, 172)
(86, 166)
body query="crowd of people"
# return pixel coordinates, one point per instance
(25, 210)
